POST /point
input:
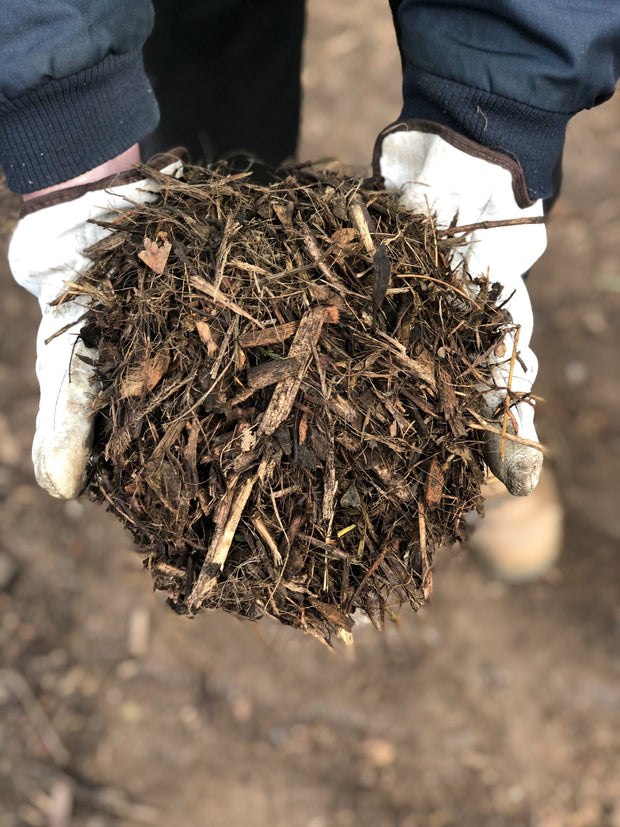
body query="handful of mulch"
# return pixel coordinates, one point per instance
(290, 380)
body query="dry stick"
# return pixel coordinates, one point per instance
(168, 570)
(427, 584)
(479, 360)
(422, 529)
(222, 352)
(262, 529)
(363, 223)
(224, 250)
(393, 544)
(330, 487)
(269, 335)
(283, 397)
(271, 372)
(422, 371)
(219, 298)
(502, 449)
(220, 546)
(427, 573)
(489, 225)
(224, 535)
(316, 255)
(366, 226)
(447, 284)
(222, 512)
(483, 425)
(280, 333)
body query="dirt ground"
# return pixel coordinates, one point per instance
(494, 706)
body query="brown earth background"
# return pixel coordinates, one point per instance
(495, 706)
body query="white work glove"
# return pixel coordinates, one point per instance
(46, 251)
(445, 174)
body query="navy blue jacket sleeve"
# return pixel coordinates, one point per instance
(509, 74)
(73, 91)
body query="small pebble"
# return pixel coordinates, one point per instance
(576, 373)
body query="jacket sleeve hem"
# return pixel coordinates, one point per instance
(67, 127)
(532, 137)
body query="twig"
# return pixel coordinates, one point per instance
(427, 584)
(224, 250)
(223, 536)
(65, 328)
(502, 449)
(426, 277)
(330, 487)
(280, 333)
(317, 256)
(220, 546)
(422, 529)
(262, 529)
(219, 298)
(479, 360)
(482, 425)
(363, 223)
(283, 397)
(393, 545)
(168, 570)
(268, 335)
(490, 225)
(422, 371)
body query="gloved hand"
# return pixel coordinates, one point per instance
(46, 251)
(447, 175)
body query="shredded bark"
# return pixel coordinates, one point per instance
(289, 418)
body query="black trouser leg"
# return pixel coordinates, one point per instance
(226, 74)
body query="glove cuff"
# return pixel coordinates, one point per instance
(174, 159)
(460, 142)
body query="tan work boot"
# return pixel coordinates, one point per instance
(519, 538)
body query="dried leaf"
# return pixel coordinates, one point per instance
(344, 235)
(155, 255)
(145, 377)
(351, 497)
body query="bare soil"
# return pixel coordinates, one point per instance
(493, 706)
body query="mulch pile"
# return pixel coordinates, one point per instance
(290, 380)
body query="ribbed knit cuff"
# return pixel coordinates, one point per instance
(67, 127)
(532, 137)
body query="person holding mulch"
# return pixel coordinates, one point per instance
(488, 89)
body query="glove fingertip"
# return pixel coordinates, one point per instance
(59, 472)
(518, 468)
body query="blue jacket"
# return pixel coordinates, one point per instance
(73, 92)
(507, 73)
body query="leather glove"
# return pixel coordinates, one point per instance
(46, 251)
(440, 172)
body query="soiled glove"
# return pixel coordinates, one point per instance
(46, 252)
(442, 173)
